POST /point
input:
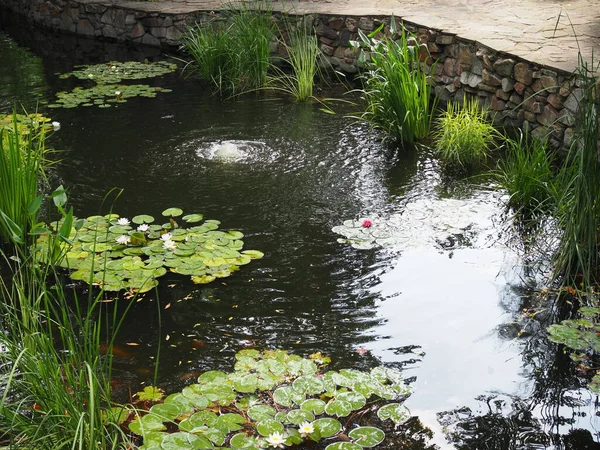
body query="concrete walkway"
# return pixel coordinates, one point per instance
(546, 32)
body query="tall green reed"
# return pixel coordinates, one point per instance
(302, 56)
(395, 87)
(232, 52)
(578, 193)
(525, 172)
(22, 158)
(56, 383)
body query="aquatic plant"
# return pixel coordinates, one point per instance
(444, 223)
(581, 335)
(302, 56)
(274, 399)
(55, 383)
(22, 162)
(578, 190)
(463, 134)
(525, 172)
(109, 252)
(107, 91)
(395, 86)
(104, 95)
(233, 52)
(114, 72)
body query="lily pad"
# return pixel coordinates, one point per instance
(394, 411)
(172, 212)
(327, 427)
(142, 218)
(367, 436)
(193, 218)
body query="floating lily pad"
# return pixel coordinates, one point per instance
(367, 436)
(142, 218)
(193, 218)
(172, 212)
(394, 411)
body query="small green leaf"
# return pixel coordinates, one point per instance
(327, 427)
(193, 218)
(395, 411)
(172, 212)
(269, 426)
(142, 218)
(151, 393)
(297, 416)
(367, 436)
(261, 412)
(339, 408)
(314, 405)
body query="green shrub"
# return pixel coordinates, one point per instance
(463, 135)
(233, 52)
(395, 87)
(526, 173)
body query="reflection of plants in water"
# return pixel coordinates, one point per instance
(107, 90)
(107, 251)
(274, 399)
(21, 72)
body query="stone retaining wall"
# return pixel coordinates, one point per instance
(521, 93)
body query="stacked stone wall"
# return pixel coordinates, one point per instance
(520, 93)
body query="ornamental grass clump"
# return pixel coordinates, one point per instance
(464, 136)
(232, 52)
(303, 53)
(395, 87)
(525, 172)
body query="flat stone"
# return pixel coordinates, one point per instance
(120, 19)
(504, 67)
(159, 32)
(173, 34)
(548, 116)
(502, 95)
(109, 31)
(470, 79)
(108, 16)
(507, 84)
(449, 67)
(327, 50)
(336, 24)
(351, 25)
(476, 65)
(519, 87)
(150, 40)
(324, 31)
(444, 39)
(516, 98)
(549, 84)
(573, 100)
(366, 24)
(486, 87)
(85, 28)
(490, 78)
(555, 100)
(523, 73)
(138, 31)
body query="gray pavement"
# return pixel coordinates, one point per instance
(547, 32)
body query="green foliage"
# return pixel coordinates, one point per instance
(274, 399)
(107, 91)
(107, 251)
(22, 161)
(115, 72)
(463, 135)
(395, 87)
(303, 52)
(525, 172)
(55, 383)
(104, 95)
(232, 52)
(582, 335)
(578, 191)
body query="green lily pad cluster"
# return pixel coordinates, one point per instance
(109, 252)
(583, 335)
(108, 89)
(103, 95)
(115, 72)
(26, 123)
(271, 400)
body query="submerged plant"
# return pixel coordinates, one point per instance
(274, 399)
(109, 252)
(525, 172)
(464, 136)
(395, 87)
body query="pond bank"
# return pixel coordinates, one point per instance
(520, 63)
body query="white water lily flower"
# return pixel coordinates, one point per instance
(117, 93)
(56, 126)
(123, 239)
(169, 245)
(276, 440)
(166, 237)
(123, 221)
(306, 428)
(143, 227)
(90, 75)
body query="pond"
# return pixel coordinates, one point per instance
(444, 304)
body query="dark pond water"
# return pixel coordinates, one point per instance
(444, 305)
